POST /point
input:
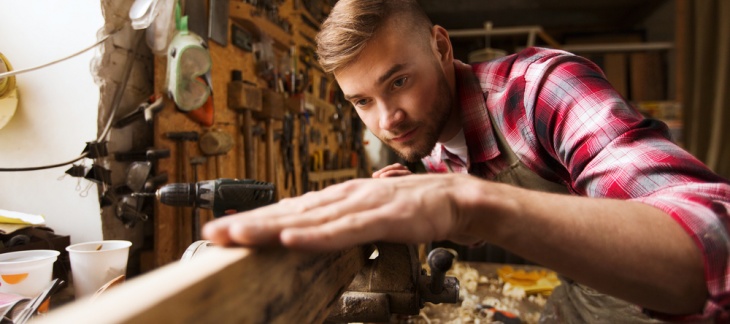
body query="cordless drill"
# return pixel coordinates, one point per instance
(220, 195)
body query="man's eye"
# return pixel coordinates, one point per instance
(361, 102)
(400, 82)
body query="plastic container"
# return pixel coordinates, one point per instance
(93, 264)
(26, 273)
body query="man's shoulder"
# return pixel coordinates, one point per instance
(520, 60)
(504, 68)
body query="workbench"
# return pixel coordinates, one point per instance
(237, 285)
(487, 292)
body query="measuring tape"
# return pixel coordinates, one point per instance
(8, 93)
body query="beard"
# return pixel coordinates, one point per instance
(431, 129)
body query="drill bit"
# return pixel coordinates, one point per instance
(143, 194)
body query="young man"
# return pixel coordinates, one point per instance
(546, 160)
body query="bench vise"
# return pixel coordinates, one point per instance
(392, 282)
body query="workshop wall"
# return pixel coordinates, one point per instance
(273, 115)
(57, 112)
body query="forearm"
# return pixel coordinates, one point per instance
(651, 262)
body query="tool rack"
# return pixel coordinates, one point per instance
(322, 121)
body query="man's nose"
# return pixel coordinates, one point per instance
(390, 116)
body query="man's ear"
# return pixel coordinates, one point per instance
(441, 45)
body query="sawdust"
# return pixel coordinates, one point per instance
(482, 295)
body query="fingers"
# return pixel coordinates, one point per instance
(395, 173)
(408, 210)
(393, 170)
(341, 233)
(263, 225)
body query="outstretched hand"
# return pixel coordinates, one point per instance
(412, 209)
(393, 170)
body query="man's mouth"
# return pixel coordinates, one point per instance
(405, 136)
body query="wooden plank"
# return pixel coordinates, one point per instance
(226, 285)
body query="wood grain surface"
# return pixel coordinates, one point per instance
(225, 285)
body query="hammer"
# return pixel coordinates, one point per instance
(195, 162)
(180, 138)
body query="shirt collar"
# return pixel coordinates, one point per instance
(480, 139)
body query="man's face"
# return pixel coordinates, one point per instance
(400, 92)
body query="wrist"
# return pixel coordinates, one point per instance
(488, 211)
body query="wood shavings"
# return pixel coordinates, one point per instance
(480, 295)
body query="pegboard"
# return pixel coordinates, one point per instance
(268, 42)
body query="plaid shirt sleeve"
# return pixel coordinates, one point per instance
(601, 147)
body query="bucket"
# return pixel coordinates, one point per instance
(26, 273)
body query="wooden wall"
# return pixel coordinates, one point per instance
(328, 129)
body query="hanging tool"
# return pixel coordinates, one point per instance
(273, 108)
(220, 195)
(218, 27)
(216, 143)
(317, 161)
(287, 154)
(180, 138)
(128, 210)
(194, 163)
(147, 109)
(198, 22)
(142, 155)
(137, 174)
(245, 98)
(304, 150)
(155, 182)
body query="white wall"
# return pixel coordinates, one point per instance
(57, 113)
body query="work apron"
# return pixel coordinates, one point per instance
(570, 302)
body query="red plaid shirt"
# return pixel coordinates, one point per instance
(567, 124)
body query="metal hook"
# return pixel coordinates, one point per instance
(78, 184)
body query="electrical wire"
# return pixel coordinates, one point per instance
(115, 101)
(82, 156)
(15, 72)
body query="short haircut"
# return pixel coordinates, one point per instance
(352, 23)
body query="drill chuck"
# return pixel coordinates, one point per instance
(178, 194)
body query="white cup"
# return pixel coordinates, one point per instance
(26, 273)
(93, 264)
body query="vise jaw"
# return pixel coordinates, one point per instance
(395, 283)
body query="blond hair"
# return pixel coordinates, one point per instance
(352, 23)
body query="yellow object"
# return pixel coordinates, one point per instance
(8, 93)
(532, 282)
(13, 217)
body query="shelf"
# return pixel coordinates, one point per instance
(241, 11)
(332, 175)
